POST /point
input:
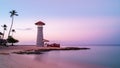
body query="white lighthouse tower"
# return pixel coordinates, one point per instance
(40, 33)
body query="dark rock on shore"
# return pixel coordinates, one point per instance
(27, 52)
(40, 51)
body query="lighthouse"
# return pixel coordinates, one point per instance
(40, 41)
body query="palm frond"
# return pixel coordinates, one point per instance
(16, 14)
(13, 12)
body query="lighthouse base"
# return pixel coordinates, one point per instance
(40, 45)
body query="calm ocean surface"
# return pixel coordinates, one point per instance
(96, 57)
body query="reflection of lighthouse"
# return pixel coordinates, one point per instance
(40, 34)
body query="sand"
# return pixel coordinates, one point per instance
(11, 49)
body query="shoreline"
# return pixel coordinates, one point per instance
(33, 49)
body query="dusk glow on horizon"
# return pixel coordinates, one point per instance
(67, 21)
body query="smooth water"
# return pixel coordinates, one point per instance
(97, 56)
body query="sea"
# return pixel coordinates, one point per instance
(95, 57)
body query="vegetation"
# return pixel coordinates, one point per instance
(11, 40)
(4, 29)
(2, 40)
(13, 31)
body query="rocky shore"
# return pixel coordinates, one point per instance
(40, 51)
(32, 49)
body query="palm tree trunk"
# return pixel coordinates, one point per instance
(11, 26)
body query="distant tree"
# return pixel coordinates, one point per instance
(11, 40)
(4, 29)
(13, 30)
(2, 41)
(13, 13)
(1, 34)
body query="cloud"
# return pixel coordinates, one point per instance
(24, 29)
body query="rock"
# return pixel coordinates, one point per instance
(40, 51)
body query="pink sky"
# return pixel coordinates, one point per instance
(86, 30)
(81, 21)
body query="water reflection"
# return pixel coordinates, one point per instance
(47, 56)
(102, 56)
(39, 57)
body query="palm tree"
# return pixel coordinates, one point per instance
(4, 29)
(13, 13)
(13, 30)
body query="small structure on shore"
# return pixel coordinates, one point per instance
(53, 45)
(40, 41)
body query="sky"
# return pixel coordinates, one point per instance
(74, 22)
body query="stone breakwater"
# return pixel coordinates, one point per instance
(40, 51)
